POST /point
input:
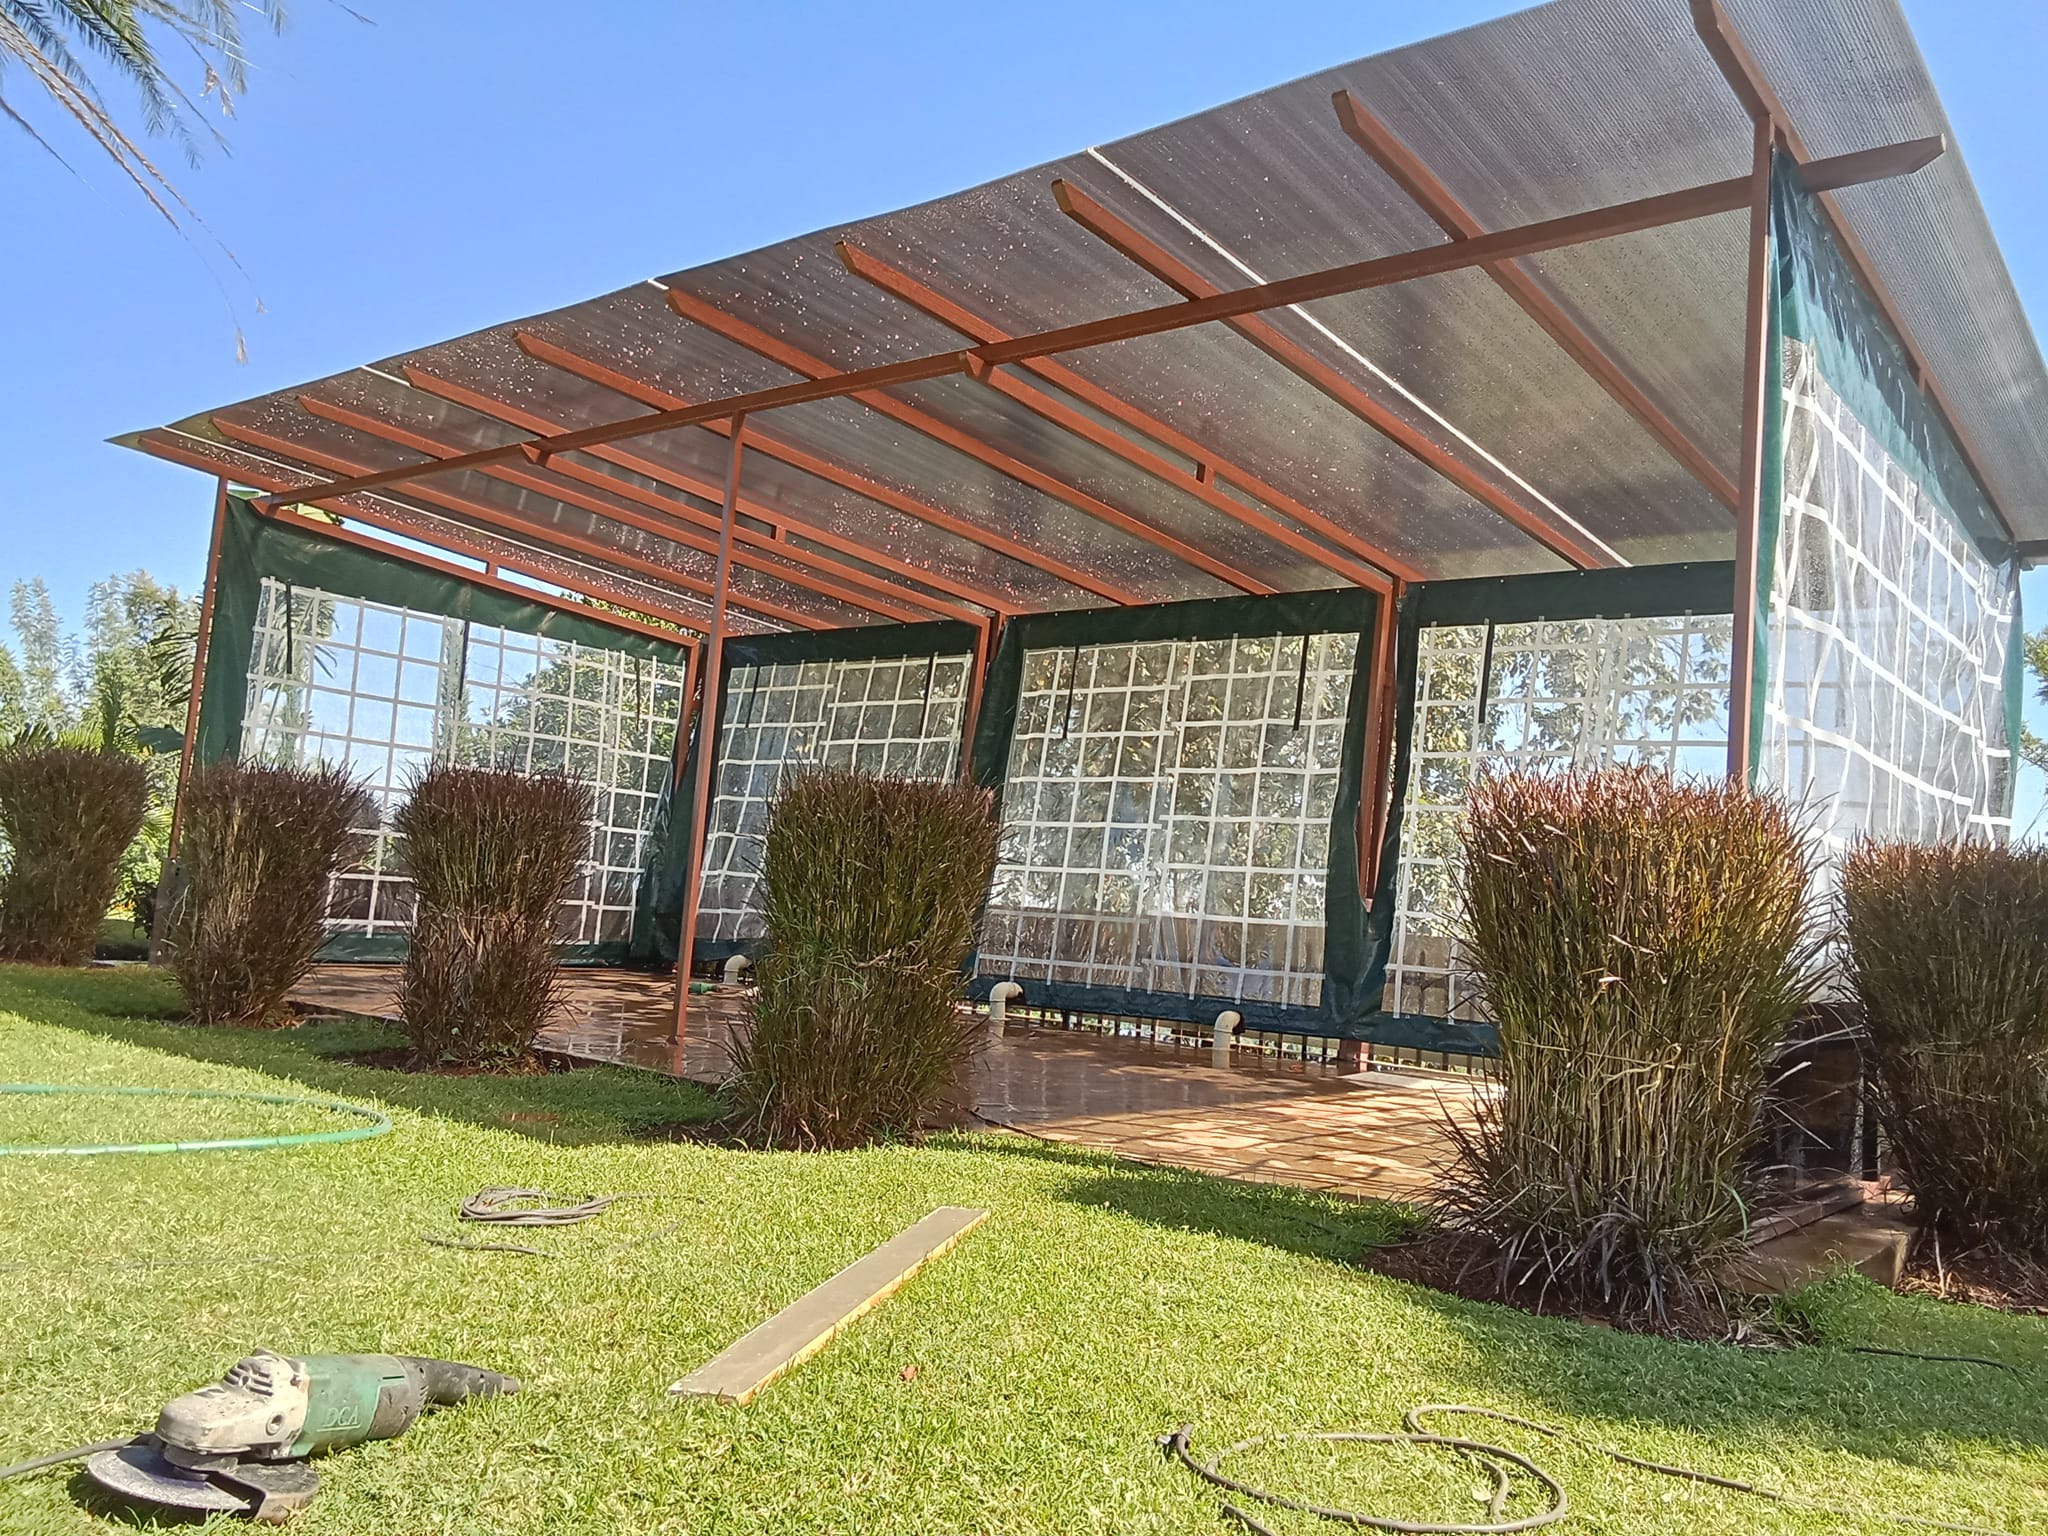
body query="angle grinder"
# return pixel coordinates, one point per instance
(240, 1446)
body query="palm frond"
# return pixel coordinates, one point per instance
(54, 41)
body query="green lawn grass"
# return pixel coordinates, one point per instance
(1017, 1385)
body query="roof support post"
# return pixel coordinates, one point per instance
(977, 679)
(1759, 371)
(1376, 793)
(201, 640)
(700, 791)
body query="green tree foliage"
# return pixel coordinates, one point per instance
(120, 686)
(43, 670)
(139, 641)
(2032, 747)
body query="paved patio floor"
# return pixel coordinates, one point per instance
(1320, 1127)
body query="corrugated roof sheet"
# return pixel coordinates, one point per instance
(1567, 107)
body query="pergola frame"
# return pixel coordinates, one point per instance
(1029, 373)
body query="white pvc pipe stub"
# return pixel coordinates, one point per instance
(1220, 1035)
(999, 996)
(736, 966)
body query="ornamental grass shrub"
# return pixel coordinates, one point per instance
(258, 846)
(1643, 948)
(67, 814)
(1947, 950)
(872, 892)
(491, 853)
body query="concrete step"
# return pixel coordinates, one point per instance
(1869, 1239)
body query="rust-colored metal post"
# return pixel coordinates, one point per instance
(977, 677)
(686, 719)
(700, 794)
(1758, 378)
(1376, 790)
(200, 640)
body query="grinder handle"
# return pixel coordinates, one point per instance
(448, 1382)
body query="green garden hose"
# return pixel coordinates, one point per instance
(375, 1122)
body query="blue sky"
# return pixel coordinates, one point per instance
(465, 161)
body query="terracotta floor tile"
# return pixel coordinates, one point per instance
(1257, 1120)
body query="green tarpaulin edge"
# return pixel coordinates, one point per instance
(868, 642)
(1816, 299)
(1820, 302)
(389, 949)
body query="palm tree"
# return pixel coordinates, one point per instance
(52, 40)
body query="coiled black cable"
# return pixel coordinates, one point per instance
(1502, 1465)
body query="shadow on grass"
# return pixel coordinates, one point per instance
(1306, 1221)
(140, 1008)
(1912, 1412)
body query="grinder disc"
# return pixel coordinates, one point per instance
(140, 1474)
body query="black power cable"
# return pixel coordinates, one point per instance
(1502, 1465)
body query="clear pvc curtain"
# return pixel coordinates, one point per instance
(1538, 697)
(384, 690)
(1179, 790)
(1887, 686)
(1167, 810)
(898, 717)
(331, 653)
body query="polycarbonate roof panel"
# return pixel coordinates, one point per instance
(1548, 112)
(394, 512)
(689, 362)
(1855, 76)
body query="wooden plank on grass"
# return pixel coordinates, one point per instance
(810, 1322)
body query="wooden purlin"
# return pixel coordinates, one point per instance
(1120, 236)
(817, 370)
(521, 528)
(447, 538)
(1405, 168)
(773, 447)
(1210, 466)
(670, 521)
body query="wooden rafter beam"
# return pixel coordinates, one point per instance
(764, 445)
(1120, 236)
(1354, 277)
(520, 528)
(770, 446)
(1346, 560)
(1209, 465)
(1405, 168)
(669, 520)
(797, 361)
(279, 489)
